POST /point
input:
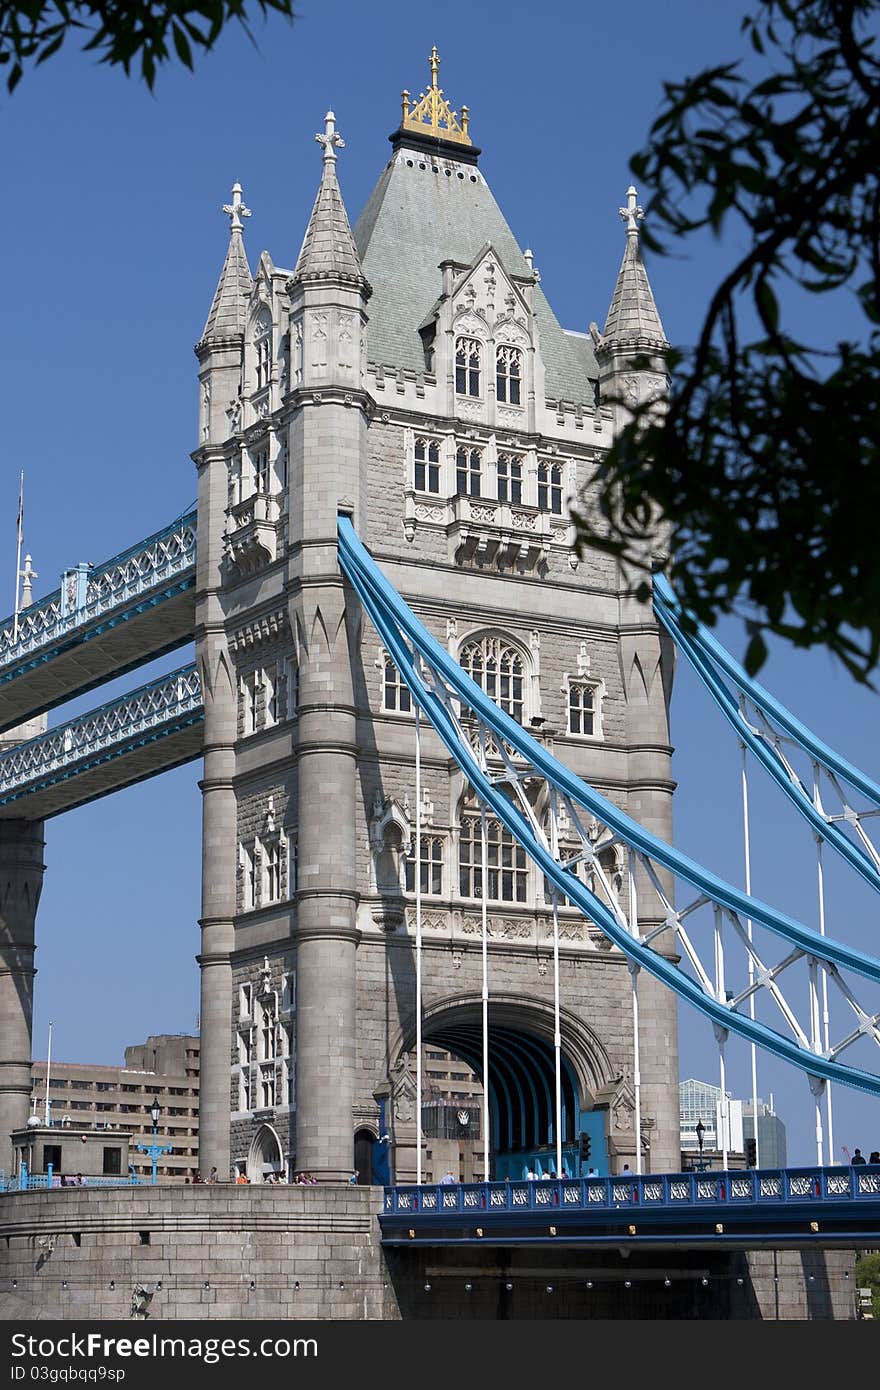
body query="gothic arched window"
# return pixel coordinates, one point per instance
(508, 375)
(507, 864)
(468, 363)
(426, 465)
(550, 487)
(510, 471)
(498, 668)
(262, 354)
(468, 472)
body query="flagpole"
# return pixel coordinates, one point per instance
(18, 555)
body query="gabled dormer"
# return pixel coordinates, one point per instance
(481, 342)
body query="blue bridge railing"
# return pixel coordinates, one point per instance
(90, 593)
(165, 704)
(25, 1181)
(638, 1193)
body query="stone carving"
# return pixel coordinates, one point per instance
(502, 928)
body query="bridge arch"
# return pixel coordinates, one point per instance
(521, 1072)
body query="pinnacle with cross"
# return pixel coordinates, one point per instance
(27, 574)
(236, 210)
(330, 138)
(632, 214)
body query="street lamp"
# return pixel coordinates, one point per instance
(700, 1131)
(155, 1148)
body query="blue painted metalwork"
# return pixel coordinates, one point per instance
(442, 689)
(153, 711)
(795, 1205)
(708, 658)
(93, 599)
(42, 1182)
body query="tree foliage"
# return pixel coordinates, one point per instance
(763, 471)
(144, 32)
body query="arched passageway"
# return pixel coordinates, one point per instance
(522, 1093)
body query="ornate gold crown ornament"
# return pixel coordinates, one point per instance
(432, 114)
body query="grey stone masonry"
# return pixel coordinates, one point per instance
(412, 376)
(227, 1252)
(21, 880)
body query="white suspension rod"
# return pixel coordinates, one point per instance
(557, 1030)
(418, 875)
(634, 978)
(747, 851)
(721, 1033)
(485, 997)
(820, 873)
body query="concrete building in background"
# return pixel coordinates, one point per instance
(701, 1101)
(772, 1147)
(87, 1096)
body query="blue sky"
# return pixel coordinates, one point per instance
(113, 240)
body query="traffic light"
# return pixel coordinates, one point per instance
(586, 1145)
(751, 1153)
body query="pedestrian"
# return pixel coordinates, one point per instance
(213, 1177)
(874, 1156)
(531, 1175)
(593, 1173)
(197, 1177)
(79, 1180)
(241, 1179)
(352, 1182)
(626, 1168)
(858, 1156)
(447, 1178)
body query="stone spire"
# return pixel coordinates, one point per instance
(328, 250)
(229, 309)
(633, 317)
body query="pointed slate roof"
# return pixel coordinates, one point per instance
(229, 309)
(430, 208)
(633, 316)
(328, 251)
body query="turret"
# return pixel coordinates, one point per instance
(219, 349)
(630, 351)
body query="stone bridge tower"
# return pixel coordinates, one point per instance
(412, 374)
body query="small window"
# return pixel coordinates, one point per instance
(396, 694)
(270, 697)
(583, 709)
(245, 1001)
(550, 487)
(431, 863)
(509, 478)
(272, 871)
(261, 469)
(250, 692)
(508, 375)
(468, 359)
(112, 1162)
(468, 469)
(427, 465)
(249, 875)
(264, 361)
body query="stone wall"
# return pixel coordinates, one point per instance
(225, 1252)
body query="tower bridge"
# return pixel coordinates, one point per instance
(450, 823)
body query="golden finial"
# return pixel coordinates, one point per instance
(432, 114)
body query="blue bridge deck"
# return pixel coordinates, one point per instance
(773, 1207)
